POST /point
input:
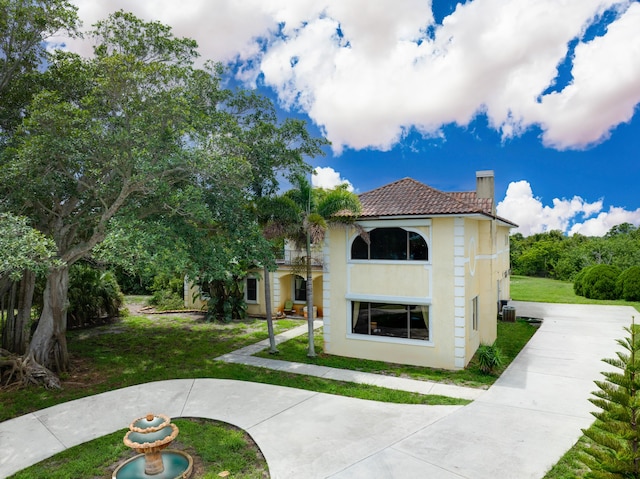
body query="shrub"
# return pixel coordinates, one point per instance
(598, 282)
(93, 294)
(577, 282)
(168, 292)
(628, 284)
(489, 358)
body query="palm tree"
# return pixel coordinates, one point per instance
(276, 216)
(318, 210)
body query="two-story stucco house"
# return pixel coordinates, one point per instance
(425, 288)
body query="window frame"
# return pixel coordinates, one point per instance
(380, 304)
(475, 314)
(295, 289)
(246, 290)
(409, 232)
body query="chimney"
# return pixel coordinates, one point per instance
(485, 187)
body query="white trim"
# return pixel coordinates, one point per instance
(390, 339)
(459, 293)
(409, 226)
(409, 221)
(326, 292)
(402, 300)
(375, 298)
(402, 262)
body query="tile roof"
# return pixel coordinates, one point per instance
(410, 197)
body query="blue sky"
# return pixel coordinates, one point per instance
(544, 93)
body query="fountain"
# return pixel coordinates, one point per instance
(150, 436)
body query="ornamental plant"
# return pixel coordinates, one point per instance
(489, 358)
(616, 431)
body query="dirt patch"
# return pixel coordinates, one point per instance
(141, 309)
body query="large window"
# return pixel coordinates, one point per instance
(394, 320)
(390, 244)
(299, 289)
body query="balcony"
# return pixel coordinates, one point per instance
(296, 257)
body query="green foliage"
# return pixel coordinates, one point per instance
(225, 299)
(628, 284)
(597, 282)
(22, 247)
(578, 282)
(616, 432)
(489, 358)
(93, 294)
(24, 28)
(168, 292)
(537, 255)
(554, 255)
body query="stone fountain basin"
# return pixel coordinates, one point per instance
(177, 465)
(151, 441)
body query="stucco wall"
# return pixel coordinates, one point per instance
(430, 283)
(467, 257)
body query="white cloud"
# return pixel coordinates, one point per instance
(367, 72)
(328, 178)
(569, 216)
(601, 224)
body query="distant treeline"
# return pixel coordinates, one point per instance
(554, 255)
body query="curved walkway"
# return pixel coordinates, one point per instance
(518, 428)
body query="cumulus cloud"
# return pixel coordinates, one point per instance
(328, 178)
(369, 72)
(570, 216)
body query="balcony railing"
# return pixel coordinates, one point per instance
(291, 257)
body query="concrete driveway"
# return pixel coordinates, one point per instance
(517, 429)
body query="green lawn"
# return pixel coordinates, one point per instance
(544, 290)
(511, 339)
(138, 349)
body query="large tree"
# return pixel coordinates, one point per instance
(112, 133)
(25, 26)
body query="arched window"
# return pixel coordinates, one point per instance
(391, 244)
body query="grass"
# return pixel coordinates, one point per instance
(138, 349)
(511, 339)
(215, 447)
(545, 290)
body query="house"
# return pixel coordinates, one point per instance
(288, 286)
(423, 285)
(426, 287)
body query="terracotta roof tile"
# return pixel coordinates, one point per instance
(485, 204)
(410, 197)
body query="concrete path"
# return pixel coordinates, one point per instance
(518, 428)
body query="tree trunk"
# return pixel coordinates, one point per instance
(49, 344)
(311, 353)
(15, 336)
(267, 298)
(9, 304)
